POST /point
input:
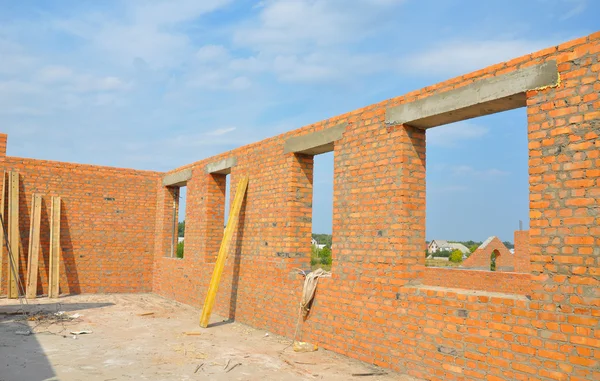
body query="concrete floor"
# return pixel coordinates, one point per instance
(124, 345)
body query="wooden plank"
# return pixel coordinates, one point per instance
(53, 277)
(2, 206)
(211, 295)
(34, 247)
(13, 234)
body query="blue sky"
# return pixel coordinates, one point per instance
(159, 84)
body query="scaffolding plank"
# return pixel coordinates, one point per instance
(34, 247)
(13, 235)
(211, 295)
(53, 276)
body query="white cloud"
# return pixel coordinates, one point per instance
(53, 74)
(164, 12)
(95, 84)
(451, 135)
(313, 41)
(14, 58)
(143, 32)
(578, 7)
(17, 87)
(460, 57)
(69, 79)
(205, 78)
(220, 131)
(212, 53)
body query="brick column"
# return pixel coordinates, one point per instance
(213, 222)
(379, 202)
(522, 259)
(164, 227)
(295, 251)
(3, 143)
(564, 179)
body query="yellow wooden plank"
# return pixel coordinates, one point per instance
(13, 234)
(211, 295)
(34, 247)
(53, 276)
(2, 205)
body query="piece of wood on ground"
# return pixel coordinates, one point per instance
(192, 333)
(211, 295)
(146, 314)
(53, 276)
(13, 235)
(34, 247)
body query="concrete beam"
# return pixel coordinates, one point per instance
(222, 167)
(486, 96)
(177, 179)
(316, 142)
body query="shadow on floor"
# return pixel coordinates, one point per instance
(220, 323)
(21, 357)
(33, 307)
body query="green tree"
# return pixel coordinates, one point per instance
(323, 239)
(456, 256)
(314, 255)
(473, 247)
(325, 256)
(181, 228)
(493, 260)
(180, 249)
(508, 245)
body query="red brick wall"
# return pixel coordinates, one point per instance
(522, 259)
(107, 227)
(482, 257)
(507, 282)
(382, 305)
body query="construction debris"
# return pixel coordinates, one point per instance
(368, 374)
(233, 367)
(84, 332)
(300, 346)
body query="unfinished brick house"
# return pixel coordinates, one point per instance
(381, 305)
(481, 258)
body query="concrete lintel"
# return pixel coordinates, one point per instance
(177, 179)
(222, 167)
(316, 142)
(486, 96)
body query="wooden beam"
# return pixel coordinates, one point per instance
(34, 247)
(13, 235)
(53, 276)
(232, 221)
(2, 206)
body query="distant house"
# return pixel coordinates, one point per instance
(438, 245)
(482, 257)
(317, 244)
